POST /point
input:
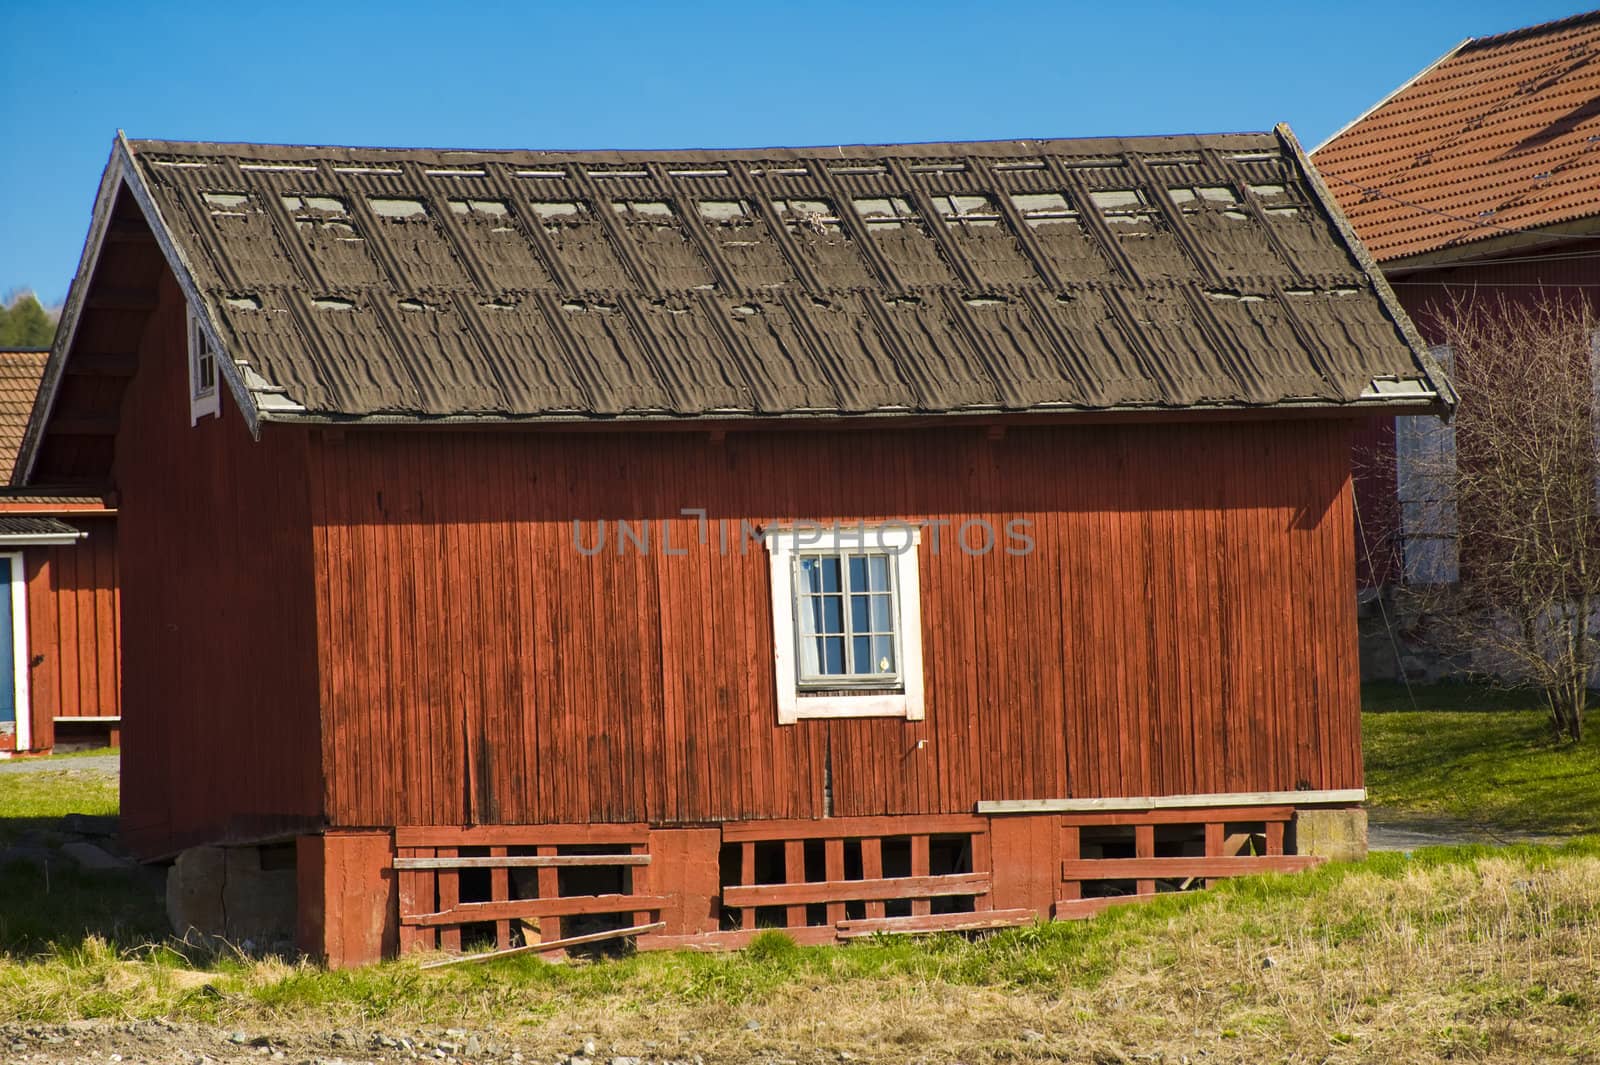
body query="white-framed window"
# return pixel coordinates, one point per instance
(203, 388)
(846, 621)
(1425, 462)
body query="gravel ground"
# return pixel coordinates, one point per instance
(162, 1043)
(99, 763)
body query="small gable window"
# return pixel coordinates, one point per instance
(847, 625)
(203, 391)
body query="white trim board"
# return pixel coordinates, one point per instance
(19, 652)
(1173, 802)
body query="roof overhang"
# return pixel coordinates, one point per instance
(36, 532)
(121, 173)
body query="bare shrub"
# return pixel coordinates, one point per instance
(1522, 480)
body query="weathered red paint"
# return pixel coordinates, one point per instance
(348, 902)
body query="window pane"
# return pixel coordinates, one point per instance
(883, 654)
(860, 613)
(882, 614)
(810, 615)
(810, 575)
(832, 613)
(878, 571)
(858, 573)
(829, 569)
(833, 656)
(810, 657)
(861, 652)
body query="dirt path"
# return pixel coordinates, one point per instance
(1392, 831)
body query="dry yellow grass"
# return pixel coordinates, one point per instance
(1473, 955)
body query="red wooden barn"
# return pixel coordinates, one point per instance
(837, 539)
(58, 596)
(1475, 179)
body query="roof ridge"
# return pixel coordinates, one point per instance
(1086, 144)
(1566, 22)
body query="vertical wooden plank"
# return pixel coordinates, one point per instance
(640, 879)
(549, 888)
(981, 861)
(1071, 850)
(794, 866)
(500, 891)
(408, 901)
(747, 876)
(449, 897)
(1274, 837)
(919, 867)
(1144, 846)
(833, 856)
(872, 869)
(1215, 835)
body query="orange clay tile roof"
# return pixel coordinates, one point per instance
(1501, 134)
(20, 372)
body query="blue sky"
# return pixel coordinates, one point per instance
(638, 75)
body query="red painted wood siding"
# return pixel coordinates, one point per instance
(1185, 623)
(74, 628)
(220, 723)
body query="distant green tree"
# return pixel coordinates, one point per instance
(25, 324)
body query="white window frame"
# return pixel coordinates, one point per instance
(19, 649)
(795, 702)
(203, 401)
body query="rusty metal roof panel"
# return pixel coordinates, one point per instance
(1500, 135)
(1159, 272)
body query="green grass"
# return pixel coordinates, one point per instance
(1477, 755)
(34, 801)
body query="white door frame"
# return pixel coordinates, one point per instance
(19, 648)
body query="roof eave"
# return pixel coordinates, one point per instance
(1431, 370)
(1374, 401)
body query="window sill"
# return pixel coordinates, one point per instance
(857, 704)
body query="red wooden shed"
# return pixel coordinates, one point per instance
(58, 604)
(845, 539)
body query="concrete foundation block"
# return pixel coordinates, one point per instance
(194, 892)
(226, 893)
(1338, 835)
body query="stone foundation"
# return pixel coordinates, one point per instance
(244, 895)
(1338, 835)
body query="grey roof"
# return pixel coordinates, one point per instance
(26, 530)
(1154, 272)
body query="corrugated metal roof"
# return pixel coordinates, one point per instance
(1169, 272)
(23, 530)
(1501, 134)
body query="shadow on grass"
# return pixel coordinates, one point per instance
(51, 904)
(1389, 697)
